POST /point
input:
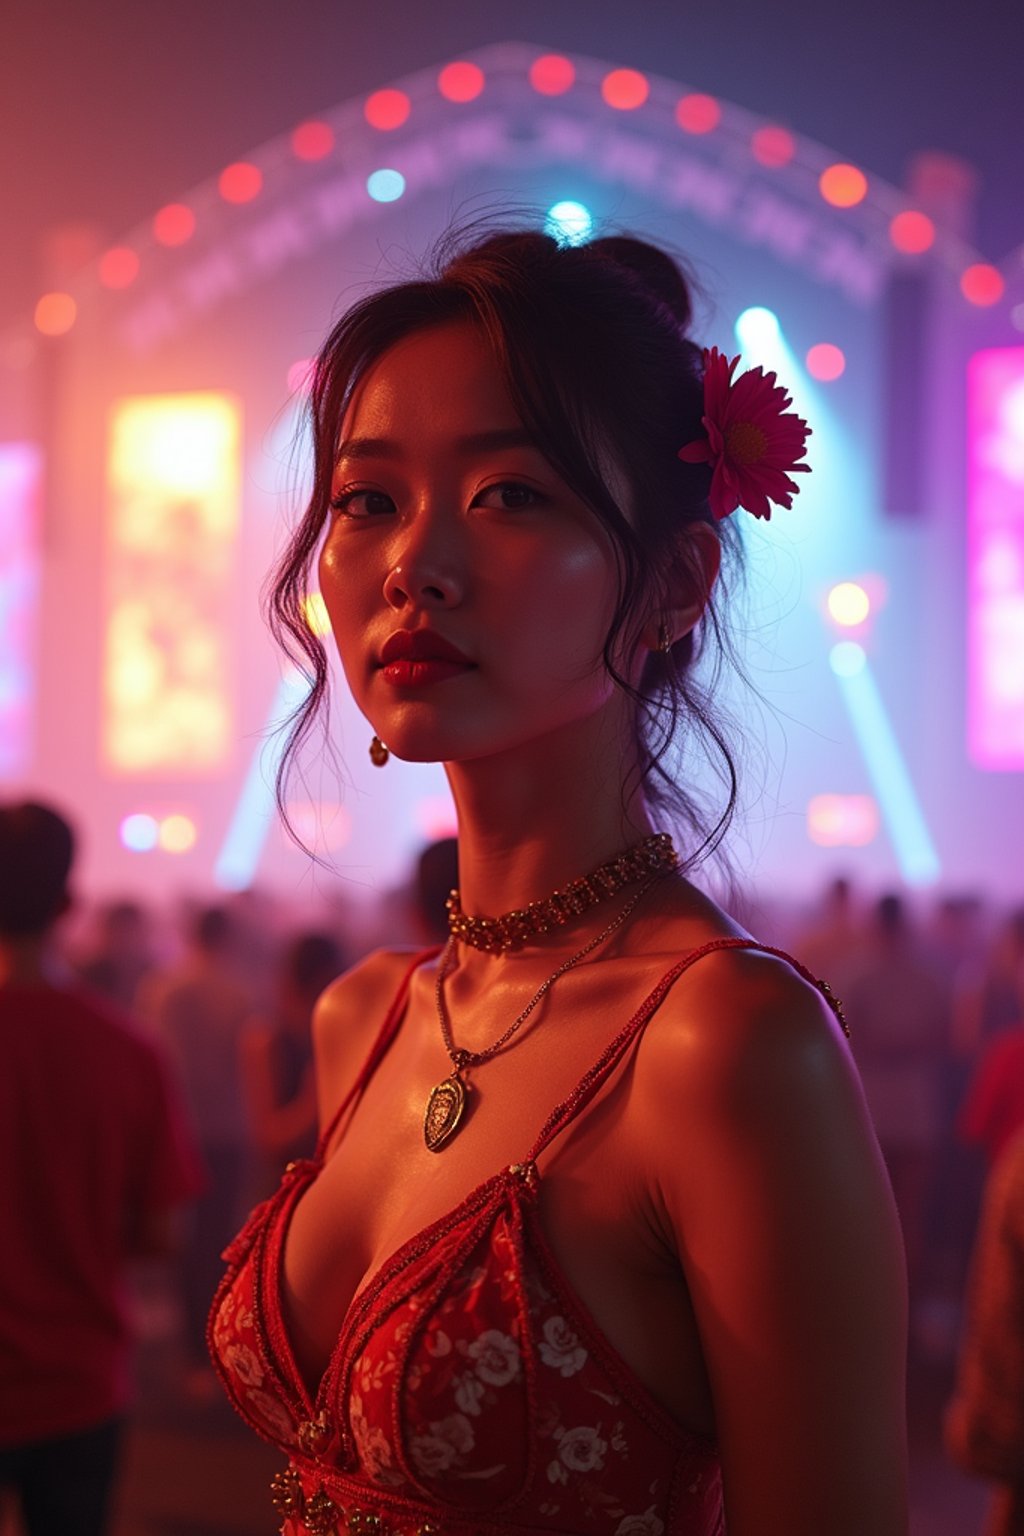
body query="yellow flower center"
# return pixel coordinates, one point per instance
(745, 443)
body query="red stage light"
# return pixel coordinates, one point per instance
(387, 109)
(55, 314)
(982, 285)
(772, 146)
(240, 183)
(625, 89)
(460, 81)
(119, 267)
(312, 141)
(825, 362)
(844, 186)
(912, 232)
(698, 114)
(552, 75)
(174, 224)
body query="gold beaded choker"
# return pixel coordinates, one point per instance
(513, 929)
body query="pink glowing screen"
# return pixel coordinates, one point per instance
(19, 588)
(995, 558)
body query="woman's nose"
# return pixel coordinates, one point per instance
(426, 569)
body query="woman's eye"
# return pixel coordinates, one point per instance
(357, 503)
(509, 496)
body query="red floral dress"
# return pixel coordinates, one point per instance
(470, 1391)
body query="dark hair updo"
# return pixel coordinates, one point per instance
(591, 341)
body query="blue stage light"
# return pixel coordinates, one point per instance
(847, 658)
(569, 223)
(140, 833)
(242, 848)
(887, 770)
(385, 186)
(757, 329)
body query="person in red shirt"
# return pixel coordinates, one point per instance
(993, 1109)
(93, 1161)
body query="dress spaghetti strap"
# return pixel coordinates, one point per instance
(378, 1050)
(564, 1113)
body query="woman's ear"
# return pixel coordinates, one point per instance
(688, 587)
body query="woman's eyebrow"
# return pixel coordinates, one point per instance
(475, 442)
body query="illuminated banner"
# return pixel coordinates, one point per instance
(174, 487)
(995, 558)
(19, 596)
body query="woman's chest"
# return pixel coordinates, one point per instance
(382, 1188)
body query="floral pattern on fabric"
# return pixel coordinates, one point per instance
(469, 1388)
(469, 1391)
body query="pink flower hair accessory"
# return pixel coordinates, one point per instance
(753, 442)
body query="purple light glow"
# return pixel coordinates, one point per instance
(20, 465)
(995, 558)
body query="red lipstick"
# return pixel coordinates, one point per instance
(417, 657)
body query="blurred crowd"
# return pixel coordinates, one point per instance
(933, 990)
(932, 986)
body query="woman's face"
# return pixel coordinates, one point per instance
(447, 523)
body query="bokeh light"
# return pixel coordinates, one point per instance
(698, 114)
(912, 232)
(312, 141)
(568, 222)
(1017, 317)
(385, 185)
(625, 89)
(982, 285)
(848, 604)
(847, 658)
(177, 834)
(757, 328)
(55, 314)
(314, 611)
(119, 267)
(772, 146)
(387, 109)
(552, 74)
(842, 821)
(174, 224)
(825, 362)
(139, 832)
(842, 185)
(240, 182)
(460, 81)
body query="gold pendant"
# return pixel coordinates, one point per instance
(444, 1112)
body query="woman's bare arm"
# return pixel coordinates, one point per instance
(771, 1185)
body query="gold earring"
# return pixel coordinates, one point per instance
(664, 639)
(379, 753)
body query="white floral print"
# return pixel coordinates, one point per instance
(272, 1414)
(560, 1348)
(497, 1357)
(647, 1524)
(371, 1443)
(446, 1440)
(582, 1449)
(240, 1359)
(469, 1390)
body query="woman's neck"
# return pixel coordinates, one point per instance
(532, 819)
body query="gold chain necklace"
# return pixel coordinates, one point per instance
(512, 929)
(447, 1101)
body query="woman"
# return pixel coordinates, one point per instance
(597, 1227)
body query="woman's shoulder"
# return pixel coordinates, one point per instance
(739, 1022)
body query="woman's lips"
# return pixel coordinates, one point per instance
(409, 673)
(415, 658)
